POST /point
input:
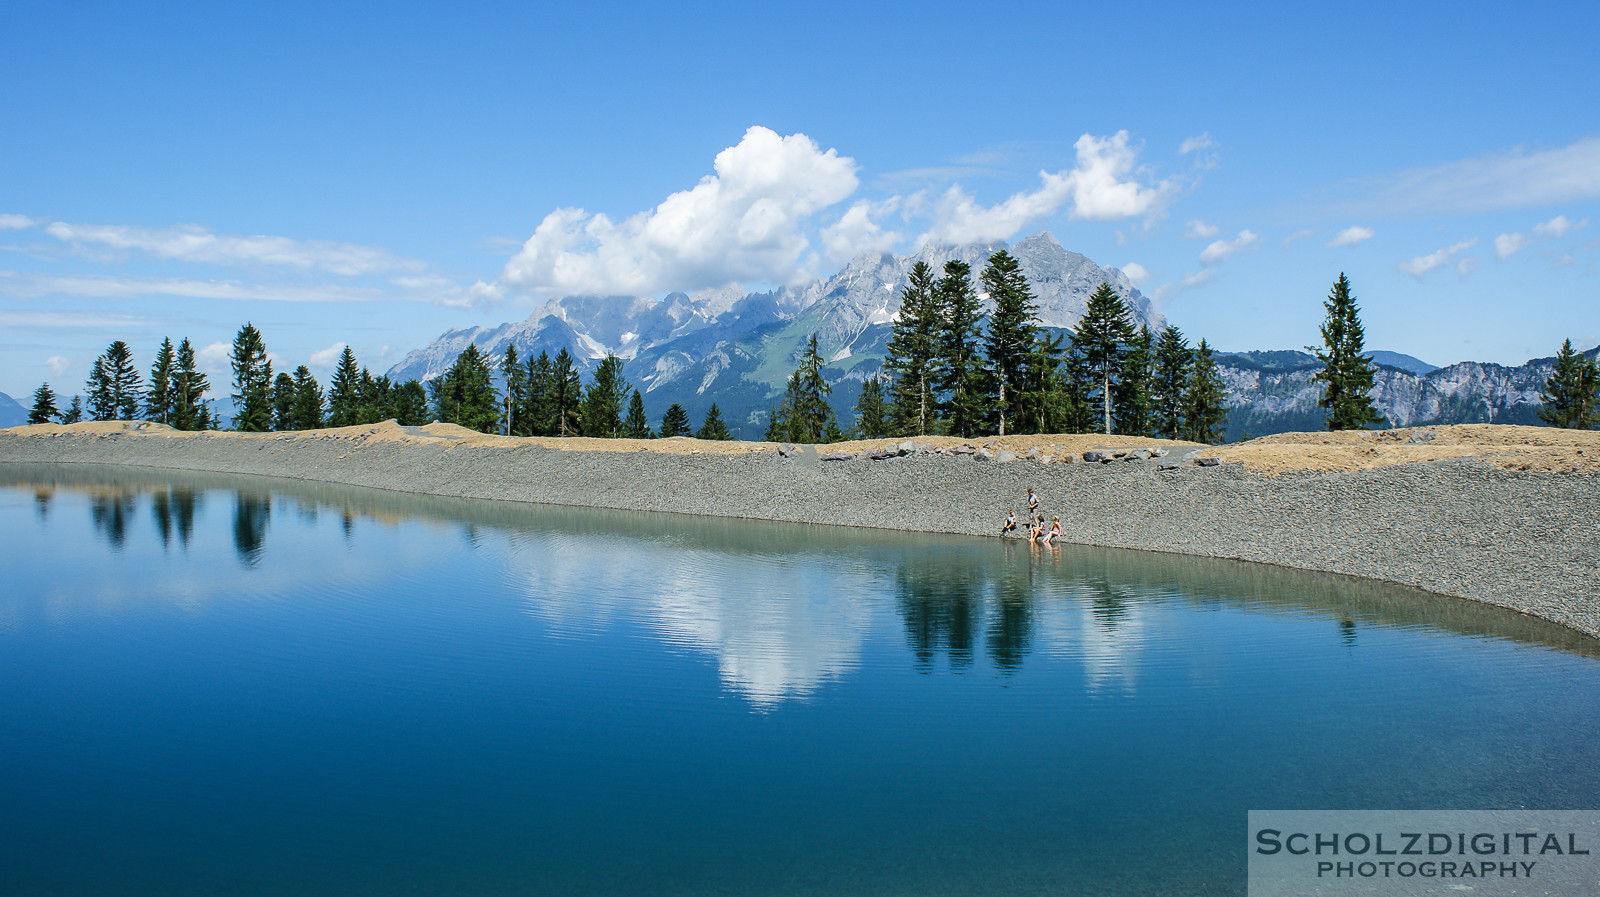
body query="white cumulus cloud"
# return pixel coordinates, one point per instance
(1104, 185)
(1353, 235)
(1507, 244)
(1220, 250)
(856, 231)
(16, 222)
(745, 222)
(57, 365)
(213, 359)
(327, 359)
(1138, 274)
(1558, 226)
(1422, 264)
(1199, 230)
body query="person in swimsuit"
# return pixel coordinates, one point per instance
(1011, 523)
(1055, 529)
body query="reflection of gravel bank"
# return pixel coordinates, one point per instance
(1529, 541)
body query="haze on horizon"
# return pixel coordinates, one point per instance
(373, 177)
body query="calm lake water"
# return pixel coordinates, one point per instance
(225, 686)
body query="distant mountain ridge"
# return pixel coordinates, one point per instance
(12, 412)
(737, 348)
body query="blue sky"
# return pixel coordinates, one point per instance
(376, 174)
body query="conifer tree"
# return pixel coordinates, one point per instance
(712, 427)
(74, 412)
(538, 412)
(306, 412)
(252, 381)
(1011, 333)
(636, 425)
(44, 405)
(872, 413)
(465, 394)
(806, 415)
(675, 422)
(1347, 374)
(1205, 412)
(411, 404)
(1568, 397)
(283, 393)
(961, 370)
(1102, 337)
(189, 385)
(565, 395)
(102, 406)
(344, 391)
(516, 396)
(1134, 388)
(158, 399)
(603, 400)
(911, 357)
(1173, 362)
(1042, 402)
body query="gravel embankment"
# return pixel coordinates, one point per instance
(1523, 540)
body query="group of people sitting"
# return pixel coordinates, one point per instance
(1036, 528)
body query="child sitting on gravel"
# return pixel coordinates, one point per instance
(1011, 523)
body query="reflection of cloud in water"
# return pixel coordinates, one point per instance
(778, 626)
(1101, 629)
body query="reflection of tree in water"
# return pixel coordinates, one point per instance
(41, 501)
(1011, 624)
(173, 509)
(1347, 632)
(940, 609)
(250, 516)
(110, 512)
(1108, 607)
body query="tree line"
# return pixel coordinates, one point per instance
(946, 373)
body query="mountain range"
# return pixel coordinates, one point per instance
(737, 348)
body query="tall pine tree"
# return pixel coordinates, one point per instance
(1568, 397)
(604, 399)
(1102, 337)
(113, 385)
(516, 397)
(675, 422)
(158, 399)
(283, 402)
(465, 394)
(805, 415)
(565, 395)
(538, 411)
(1134, 388)
(189, 385)
(1173, 362)
(344, 391)
(961, 370)
(252, 381)
(74, 412)
(636, 425)
(1011, 334)
(912, 354)
(306, 413)
(1347, 374)
(1205, 412)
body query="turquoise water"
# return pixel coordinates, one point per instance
(219, 686)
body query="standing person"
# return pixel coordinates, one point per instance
(1033, 503)
(1011, 523)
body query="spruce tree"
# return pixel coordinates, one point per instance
(538, 411)
(158, 400)
(806, 415)
(1173, 362)
(189, 385)
(712, 427)
(961, 370)
(307, 407)
(603, 400)
(1102, 337)
(252, 381)
(1043, 400)
(1205, 412)
(465, 394)
(911, 356)
(410, 404)
(1568, 397)
(1347, 374)
(344, 391)
(283, 392)
(1080, 381)
(102, 405)
(872, 413)
(44, 405)
(1011, 334)
(74, 412)
(566, 394)
(636, 425)
(1133, 390)
(675, 422)
(516, 396)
